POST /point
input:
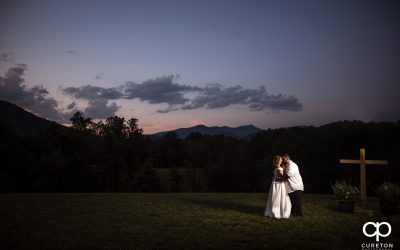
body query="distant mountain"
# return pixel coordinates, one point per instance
(239, 132)
(20, 120)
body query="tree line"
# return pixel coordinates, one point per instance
(115, 156)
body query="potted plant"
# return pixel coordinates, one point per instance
(389, 194)
(346, 194)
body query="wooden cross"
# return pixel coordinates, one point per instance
(362, 161)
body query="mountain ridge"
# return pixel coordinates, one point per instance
(238, 132)
(22, 121)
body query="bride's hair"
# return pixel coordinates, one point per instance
(275, 160)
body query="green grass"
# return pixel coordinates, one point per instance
(176, 221)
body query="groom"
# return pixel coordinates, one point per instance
(295, 185)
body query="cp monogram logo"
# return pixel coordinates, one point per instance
(377, 233)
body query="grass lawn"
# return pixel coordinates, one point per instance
(177, 221)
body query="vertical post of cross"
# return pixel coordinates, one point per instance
(363, 180)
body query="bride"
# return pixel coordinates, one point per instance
(278, 203)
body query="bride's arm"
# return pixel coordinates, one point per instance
(279, 175)
(283, 174)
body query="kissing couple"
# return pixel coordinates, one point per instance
(284, 198)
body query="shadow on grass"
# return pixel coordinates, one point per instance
(226, 205)
(372, 209)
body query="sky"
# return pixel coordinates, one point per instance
(174, 64)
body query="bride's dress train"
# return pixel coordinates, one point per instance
(278, 203)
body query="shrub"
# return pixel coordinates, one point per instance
(388, 191)
(345, 191)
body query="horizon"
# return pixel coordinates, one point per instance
(233, 127)
(177, 64)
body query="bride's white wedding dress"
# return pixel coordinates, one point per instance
(278, 203)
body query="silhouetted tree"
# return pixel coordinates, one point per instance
(114, 155)
(79, 122)
(133, 128)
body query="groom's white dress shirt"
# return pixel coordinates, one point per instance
(294, 182)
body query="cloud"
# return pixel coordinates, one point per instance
(154, 91)
(72, 105)
(71, 52)
(98, 98)
(98, 109)
(35, 99)
(90, 92)
(165, 90)
(168, 109)
(159, 90)
(216, 96)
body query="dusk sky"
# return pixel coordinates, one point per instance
(175, 64)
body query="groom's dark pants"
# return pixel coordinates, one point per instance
(295, 199)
